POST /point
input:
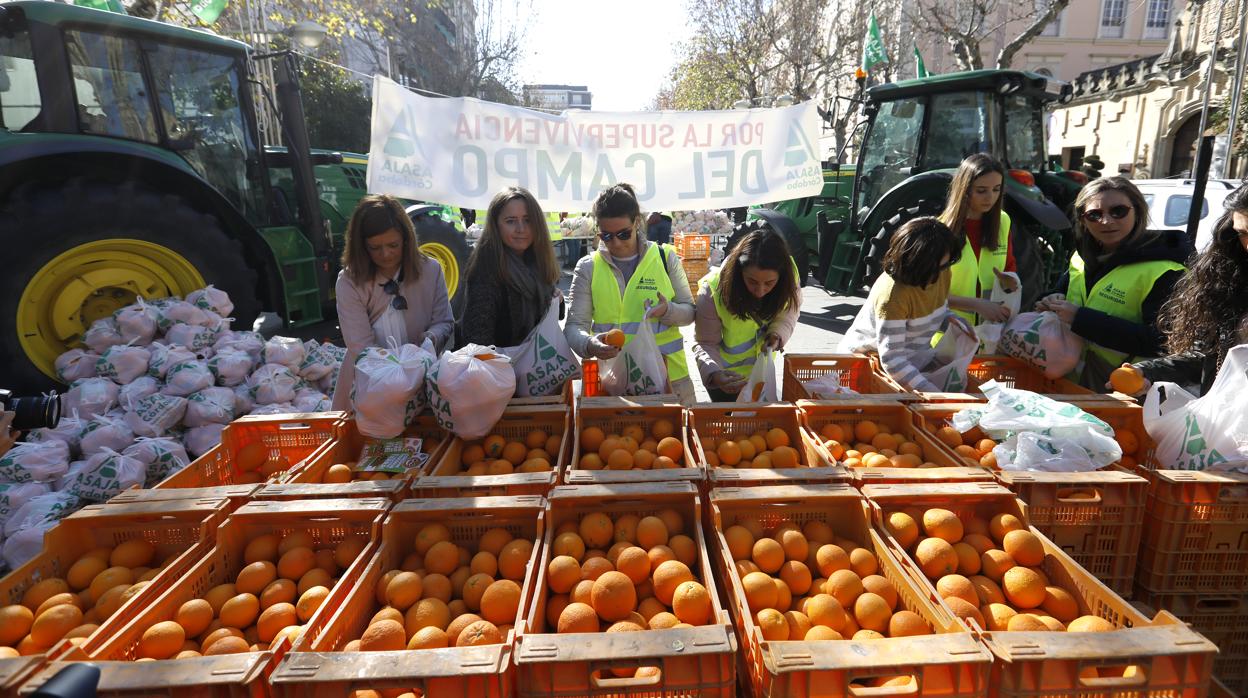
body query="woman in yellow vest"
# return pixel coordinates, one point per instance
(973, 212)
(1119, 278)
(750, 303)
(611, 285)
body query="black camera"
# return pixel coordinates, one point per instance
(39, 412)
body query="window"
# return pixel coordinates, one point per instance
(1113, 17)
(1053, 28)
(108, 82)
(1157, 22)
(891, 148)
(962, 124)
(1178, 206)
(1024, 134)
(19, 92)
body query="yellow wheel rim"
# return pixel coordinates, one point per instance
(449, 262)
(89, 282)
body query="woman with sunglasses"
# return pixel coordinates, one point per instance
(1208, 312)
(611, 285)
(387, 288)
(750, 303)
(1118, 280)
(973, 212)
(512, 272)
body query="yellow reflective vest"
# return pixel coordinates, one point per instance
(626, 312)
(1119, 293)
(972, 276)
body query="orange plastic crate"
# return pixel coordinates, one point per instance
(1013, 373)
(1124, 417)
(949, 663)
(181, 530)
(1171, 659)
(316, 665)
(443, 478)
(236, 494)
(346, 447)
(563, 398)
(329, 522)
(1195, 533)
(1221, 619)
(726, 419)
(692, 246)
(899, 419)
(290, 436)
(696, 662)
(856, 371)
(613, 415)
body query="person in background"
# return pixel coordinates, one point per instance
(752, 302)
(611, 285)
(512, 274)
(1208, 312)
(387, 289)
(1119, 278)
(659, 228)
(8, 437)
(909, 302)
(973, 212)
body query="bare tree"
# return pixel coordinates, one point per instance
(800, 47)
(740, 33)
(1052, 9)
(964, 26)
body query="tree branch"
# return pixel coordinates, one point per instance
(1006, 56)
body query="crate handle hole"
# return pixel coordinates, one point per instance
(1205, 604)
(601, 681)
(291, 426)
(1120, 675)
(907, 689)
(1077, 495)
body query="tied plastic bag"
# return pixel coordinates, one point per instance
(140, 388)
(953, 354)
(230, 366)
(138, 323)
(200, 440)
(155, 414)
(386, 380)
(25, 528)
(213, 299)
(35, 462)
(106, 432)
(188, 314)
(1044, 341)
(825, 386)
(761, 384)
(68, 430)
(1038, 433)
(210, 406)
(469, 389)
(275, 408)
(286, 351)
(164, 356)
(193, 337)
(639, 369)
(989, 333)
(330, 382)
(317, 362)
(186, 377)
(106, 475)
(15, 495)
(272, 383)
(244, 402)
(250, 342)
(123, 363)
(76, 364)
(102, 334)
(90, 397)
(162, 457)
(312, 400)
(1203, 433)
(544, 361)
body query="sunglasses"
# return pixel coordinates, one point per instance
(1096, 215)
(392, 287)
(621, 235)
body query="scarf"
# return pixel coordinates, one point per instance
(532, 294)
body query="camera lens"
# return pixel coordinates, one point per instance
(39, 412)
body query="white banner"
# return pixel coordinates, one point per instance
(461, 151)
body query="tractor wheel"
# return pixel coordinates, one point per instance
(446, 245)
(82, 249)
(884, 236)
(797, 246)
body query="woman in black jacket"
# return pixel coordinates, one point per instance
(1208, 313)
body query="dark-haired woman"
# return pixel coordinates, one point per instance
(512, 272)
(1208, 312)
(611, 286)
(750, 303)
(973, 212)
(1119, 278)
(909, 302)
(387, 289)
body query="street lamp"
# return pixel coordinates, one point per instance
(308, 34)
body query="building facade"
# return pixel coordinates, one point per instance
(558, 97)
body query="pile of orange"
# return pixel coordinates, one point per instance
(629, 573)
(765, 448)
(990, 572)
(497, 455)
(866, 444)
(70, 608)
(973, 447)
(283, 582)
(444, 594)
(255, 467)
(634, 449)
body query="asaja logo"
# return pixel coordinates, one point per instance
(545, 352)
(799, 150)
(403, 141)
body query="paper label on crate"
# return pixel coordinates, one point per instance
(392, 456)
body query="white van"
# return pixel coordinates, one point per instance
(1170, 200)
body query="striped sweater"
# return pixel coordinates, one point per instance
(898, 322)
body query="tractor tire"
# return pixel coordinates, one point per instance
(884, 236)
(449, 248)
(1029, 260)
(91, 247)
(797, 246)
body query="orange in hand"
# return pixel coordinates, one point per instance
(1127, 379)
(615, 338)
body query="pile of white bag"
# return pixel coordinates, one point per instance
(702, 223)
(152, 389)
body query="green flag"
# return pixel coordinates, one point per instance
(873, 52)
(106, 5)
(208, 10)
(920, 70)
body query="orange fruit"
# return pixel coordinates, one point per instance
(1023, 587)
(643, 460)
(820, 632)
(429, 637)
(978, 541)
(536, 438)
(500, 602)
(760, 590)
(1026, 622)
(296, 563)
(670, 447)
(1127, 440)
(494, 445)
(570, 544)
(471, 454)
(995, 563)
(872, 612)
(253, 578)
(865, 430)
(591, 438)
(882, 588)
(831, 558)
(799, 625)
(777, 437)
(907, 624)
(404, 589)
(796, 576)
(832, 431)
(651, 531)
(957, 586)
(634, 563)
(227, 645)
(614, 597)
(1024, 546)
(1089, 624)
(594, 567)
(493, 540)
(936, 557)
(964, 610)
(785, 457)
(729, 453)
(844, 586)
(684, 547)
(950, 436)
(218, 595)
(591, 461)
(337, 473)
(615, 338)
(987, 590)
(1127, 379)
(825, 610)
(691, 603)
(457, 626)
(310, 601)
(943, 524)
(274, 619)
(54, 623)
(240, 611)
(383, 636)
(194, 616)
(83, 571)
(862, 562)
(1002, 524)
(578, 618)
(109, 578)
(15, 622)
(997, 616)
(772, 624)
(1060, 604)
(563, 573)
(513, 559)
(902, 527)
(768, 555)
(514, 452)
(619, 459)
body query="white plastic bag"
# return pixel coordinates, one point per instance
(155, 415)
(162, 457)
(1044, 341)
(200, 440)
(1203, 433)
(313, 400)
(317, 362)
(989, 333)
(544, 361)
(211, 298)
(102, 334)
(209, 406)
(1038, 433)
(76, 364)
(35, 462)
(106, 475)
(186, 377)
(15, 495)
(385, 381)
(469, 389)
(953, 355)
(272, 383)
(275, 408)
(826, 386)
(286, 351)
(246, 341)
(106, 432)
(138, 389)
(123, 363)
(137, 324)
(244, 401)
(193, 337)
(25, 528)
(186, 313)
(165, 356)
(89, 397)
(230, 366)
(761, 385)
(639, 369)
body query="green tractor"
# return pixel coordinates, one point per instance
(131, 164)
(914, 136)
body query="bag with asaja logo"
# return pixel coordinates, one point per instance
(1044, 341)
(1202, 433)
(639, 369)
(543, 362)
